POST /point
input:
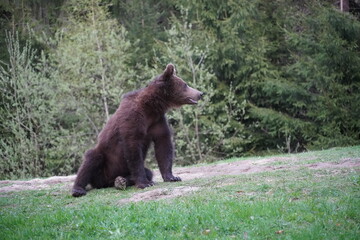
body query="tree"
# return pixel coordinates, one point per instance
(211, 128)
(325, 60)
(262, 46)
(344, 5)
(31, 142)
(145, 21)
(91, 60)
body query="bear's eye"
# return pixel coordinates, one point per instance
(185, 86)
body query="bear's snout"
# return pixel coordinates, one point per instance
(193, 95)
(198, 95)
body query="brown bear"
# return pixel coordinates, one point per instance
(124, 141)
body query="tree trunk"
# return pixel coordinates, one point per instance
(344, 5)
(197, 133)
(103, 76)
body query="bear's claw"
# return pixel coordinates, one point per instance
(172, 179)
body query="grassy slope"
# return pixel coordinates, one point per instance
(289, 204)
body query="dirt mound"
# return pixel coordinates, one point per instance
(262, 165)
(35, 184)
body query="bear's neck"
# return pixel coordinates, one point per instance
(155, 104)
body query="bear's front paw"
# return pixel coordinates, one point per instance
(143, 185)
(172, 179)
(78, 192)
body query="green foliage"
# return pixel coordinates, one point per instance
(209, 129)
(145, 21)
(61, 102)
(90, 61)
(294, 64)
(280, 76)
(31, 141)
(325, 57)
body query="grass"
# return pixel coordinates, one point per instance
(285, 204)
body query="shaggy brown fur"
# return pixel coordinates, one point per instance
(123, 143)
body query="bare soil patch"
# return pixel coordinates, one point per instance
(262, 165)
(159, 194)
(291, 162)
(35, 184)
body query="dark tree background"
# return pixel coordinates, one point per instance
(280, 76)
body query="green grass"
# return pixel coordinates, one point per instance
(285, 204)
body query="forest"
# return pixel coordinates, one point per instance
(280, 76)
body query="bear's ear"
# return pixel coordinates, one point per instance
(169, 71)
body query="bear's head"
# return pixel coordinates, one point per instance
(175, 90)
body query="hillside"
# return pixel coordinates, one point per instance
(313, 195)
